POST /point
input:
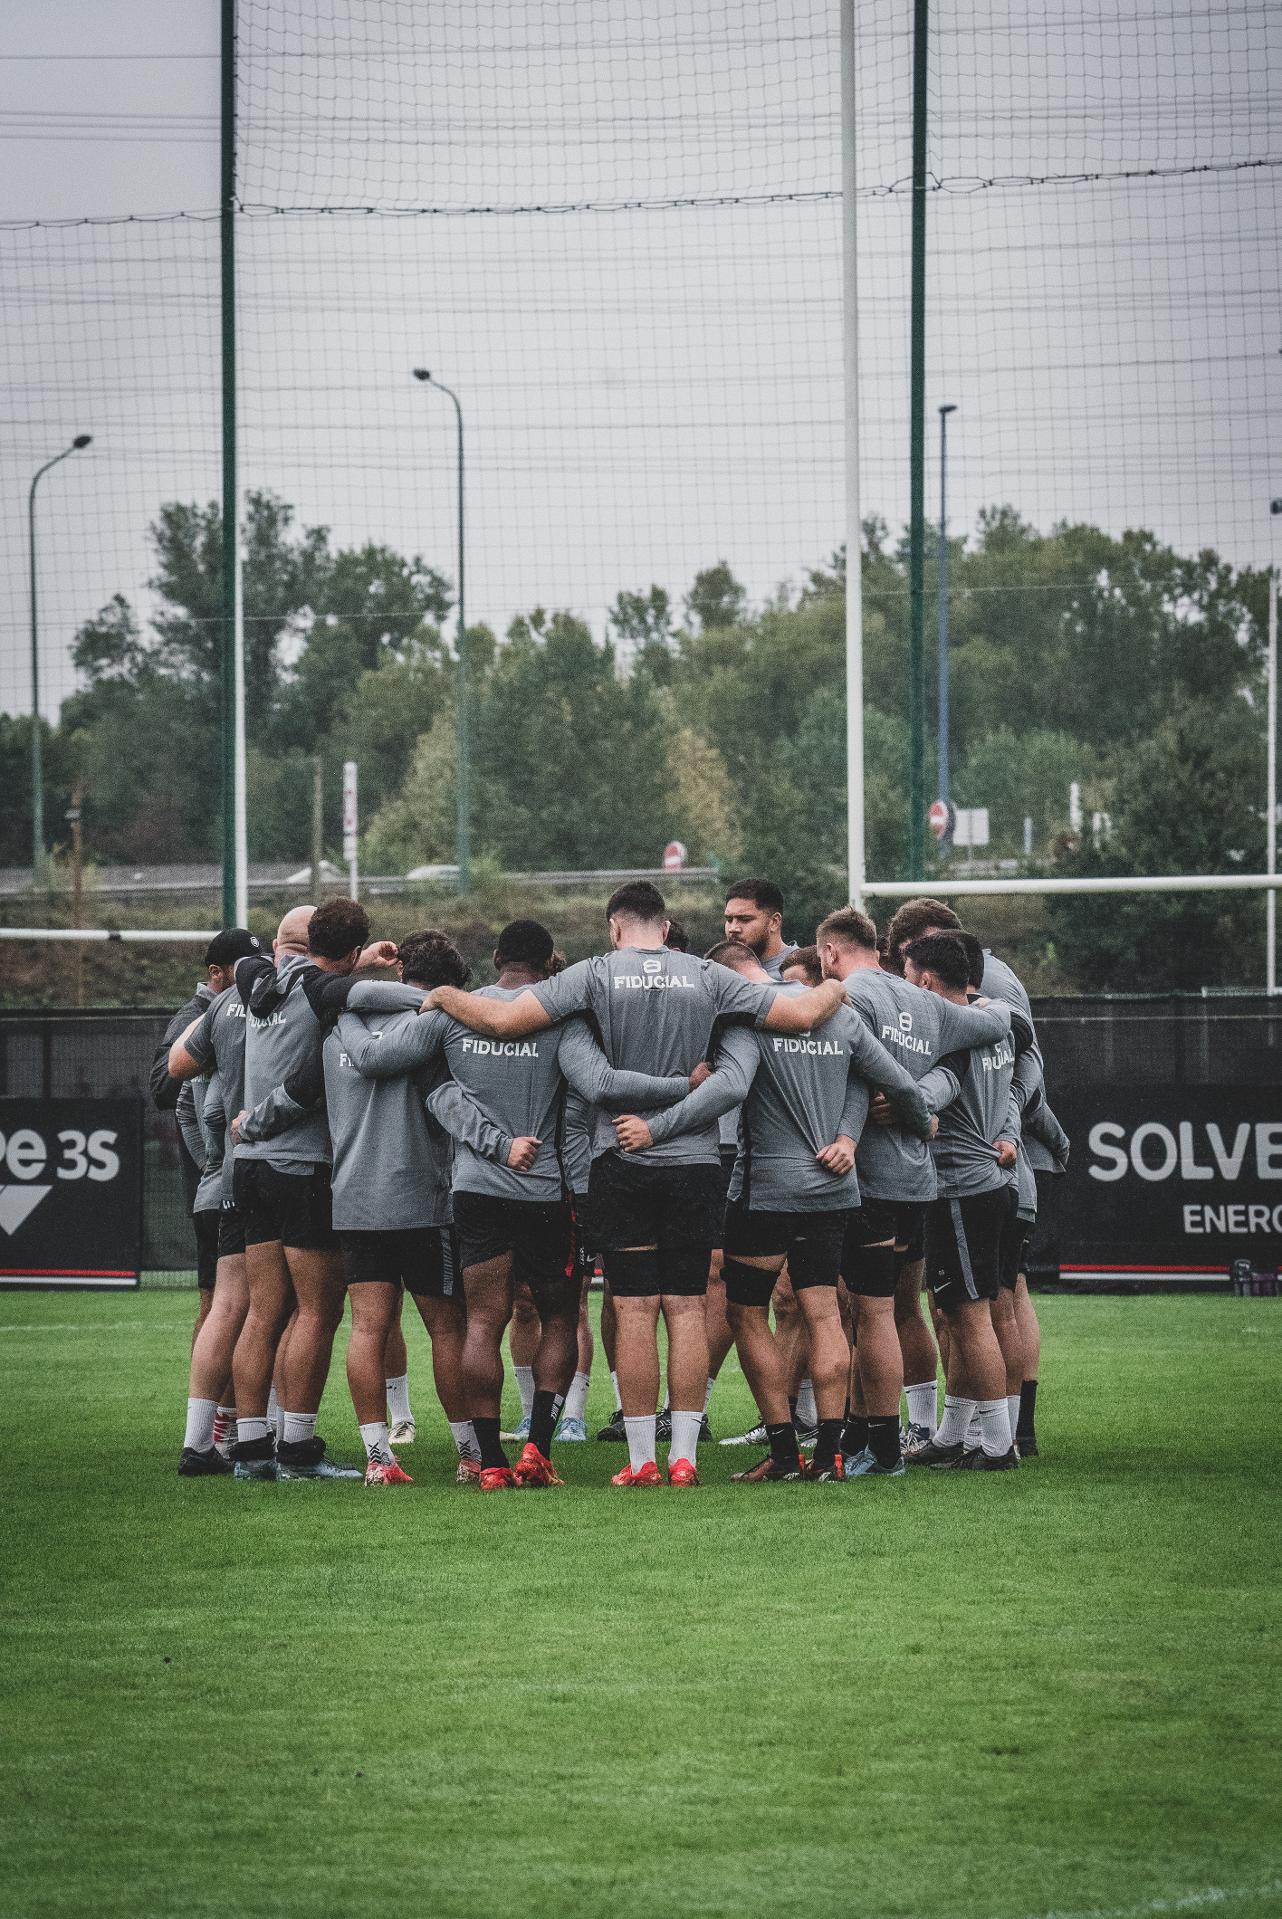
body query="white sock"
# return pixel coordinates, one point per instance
(640, 1439)
(398, 1400)
(273, 1410)
(296, 1427)
(201, 1414)
(807, 1411)
(525, 1386)
(248, 1429)
(971, 1440)
(685, 1437)
(954, 1423)
(1012, 1412)
(576, 1400)
(923, 1405)
(377, 1443)
(707, 1397)
(464, 1439)
(994, 1427)
(618, 1402)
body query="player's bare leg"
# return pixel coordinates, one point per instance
(211, 1362)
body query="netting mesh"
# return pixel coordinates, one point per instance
(619, 239)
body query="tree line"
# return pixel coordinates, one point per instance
(1077, 655)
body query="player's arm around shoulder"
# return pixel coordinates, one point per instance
(801, 1012)
(393, 1046)
(492, 1018)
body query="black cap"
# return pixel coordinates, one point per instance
(225, 949)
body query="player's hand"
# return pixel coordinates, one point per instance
(523, 1153)
(431, 1003)
(934, 1126)
(632, 1133)
(879, 1110)
(1007, 1153)
(701, 1072)
(381, 953)
(238, 1122)
(839, 1157)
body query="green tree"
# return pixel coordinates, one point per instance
(716, 599)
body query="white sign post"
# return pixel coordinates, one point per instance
(350, 823)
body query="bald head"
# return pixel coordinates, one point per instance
(291, 934)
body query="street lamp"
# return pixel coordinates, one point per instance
(37, 757)
(463, 717)
(942, 728)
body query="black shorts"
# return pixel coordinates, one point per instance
(902, 1222)
(964, 1246)
(292, 1207)
(205, 1226)
(420, 1258)
(812, 1243)
(231, 1231)
(638, 1204)
(539, 1234)
(1016, 1233)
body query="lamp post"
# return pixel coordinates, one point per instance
(944, 780)
(37, 755)
(463, 715)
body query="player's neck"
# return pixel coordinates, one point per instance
(772, 949)
(513, 976)
(642, 939)
(860, 961)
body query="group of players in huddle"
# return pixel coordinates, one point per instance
(817, 1133)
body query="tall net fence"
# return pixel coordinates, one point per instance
(618, 239)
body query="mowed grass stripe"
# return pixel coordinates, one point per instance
(1054, 1691)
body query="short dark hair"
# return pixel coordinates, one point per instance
(942, 954)
(525, 943)
(974, 958)
(636, 900)
(806, 959)
(225, 948)
(914, 916)
(732, 953)
(337, 928)
(678, 940)
(764, 894)
(849, 927)
(430, 959)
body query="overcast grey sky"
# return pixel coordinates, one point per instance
(617, 232)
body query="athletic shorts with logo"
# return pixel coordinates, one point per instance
(901, 1222)
(964, 1246)
(422, 1259)
(1016, 1234)
(539, 1234)
(293, 1207)
(231, 1231)
(811, 1242)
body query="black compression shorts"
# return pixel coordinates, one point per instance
(539, 1234)
(811, 1242)
(420, 1258)
(875, 1223)
(293, 1207)
(205, 1226)
(963, 1246)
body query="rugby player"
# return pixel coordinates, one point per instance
(1047, 1145)
(804, 1103)
(974, 1154)
(896, 1172)
(754, 917)
(183, 1099)
(390, 1191)
(655, 1213)
(214, 1043)
(512, 1225)
(1020, 1328)
(282, 1186)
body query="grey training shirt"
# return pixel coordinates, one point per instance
(282, 1042)
(219, 1040)
(799, 1093)
(919, 1029)
(654, 1011)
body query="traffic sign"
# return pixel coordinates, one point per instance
(940, 818)
(674, 856)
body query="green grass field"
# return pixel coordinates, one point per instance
(1050, 1692)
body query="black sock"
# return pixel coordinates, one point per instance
(543, 1418)
(883, 1439)
(1026, 1423)
(487, 1438)
(827, 1443)
(783, 1445)
(855, 1436)
(792, 1407)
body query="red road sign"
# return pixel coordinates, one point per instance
(940, 817)
(674, 855)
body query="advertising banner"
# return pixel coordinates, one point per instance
(70, 1192)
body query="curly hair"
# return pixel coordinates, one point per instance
(430, 959)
